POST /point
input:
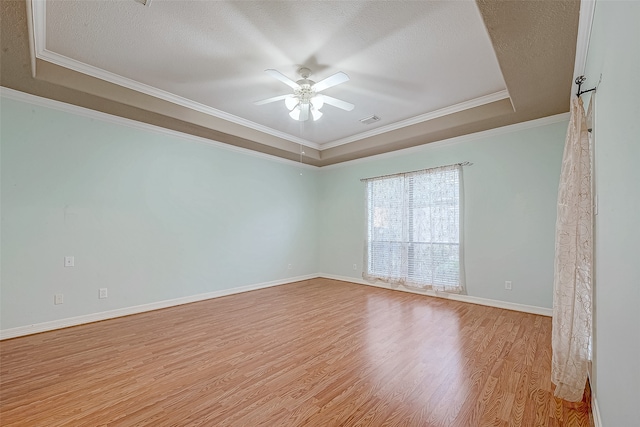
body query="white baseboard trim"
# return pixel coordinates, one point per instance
(463, 298)
(595, 411)
(126, 311)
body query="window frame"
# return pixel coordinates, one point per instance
(408, 273)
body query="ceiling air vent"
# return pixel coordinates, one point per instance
(369, 120)
(144, 2)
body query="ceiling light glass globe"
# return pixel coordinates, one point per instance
(295, 114)
(317, 102)
(316, 114)
(291, 102)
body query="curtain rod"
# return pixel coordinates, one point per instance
(419, 170)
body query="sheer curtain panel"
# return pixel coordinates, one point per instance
(572, 288)
(413, 235)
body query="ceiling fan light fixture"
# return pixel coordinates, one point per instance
(305, 100)
(301, 113)
(317, 101)
(295, 113)
(291, 102)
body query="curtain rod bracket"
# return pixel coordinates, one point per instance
(579, 81)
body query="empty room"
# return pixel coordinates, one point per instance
(319, 213)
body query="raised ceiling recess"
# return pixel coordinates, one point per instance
(428, 70)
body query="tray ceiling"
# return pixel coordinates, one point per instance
(426, 68)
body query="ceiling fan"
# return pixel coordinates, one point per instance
(306, 99)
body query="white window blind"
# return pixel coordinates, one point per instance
(413, 233)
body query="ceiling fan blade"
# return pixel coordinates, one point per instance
(338, 103)
(268, 100)
(304, 112)
(331, 81)
(284, 79)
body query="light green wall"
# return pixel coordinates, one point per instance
(154, 217)
(147, 215)
(614, 52)
(510, 210)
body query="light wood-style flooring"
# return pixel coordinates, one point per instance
(313, 353)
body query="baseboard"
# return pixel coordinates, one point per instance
(595, 411)
(463, 298)
(127, 311)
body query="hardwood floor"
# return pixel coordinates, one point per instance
(314, 353)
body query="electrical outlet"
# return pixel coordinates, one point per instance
(507, 285)
(289, 267)
(69, 261)
(355, 266)
(103, 293)
(58, 299)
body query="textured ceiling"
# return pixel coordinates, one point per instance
(430, 70)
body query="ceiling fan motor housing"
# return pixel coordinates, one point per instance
(304, 72)
(305, 92)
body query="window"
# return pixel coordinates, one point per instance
(413, 229)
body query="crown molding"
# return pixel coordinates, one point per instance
(110, 77)
(83, 68)
(39, 24)
(105, 117)
(472, 103)
(117, 120)
(544, 121)
(37, 31)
